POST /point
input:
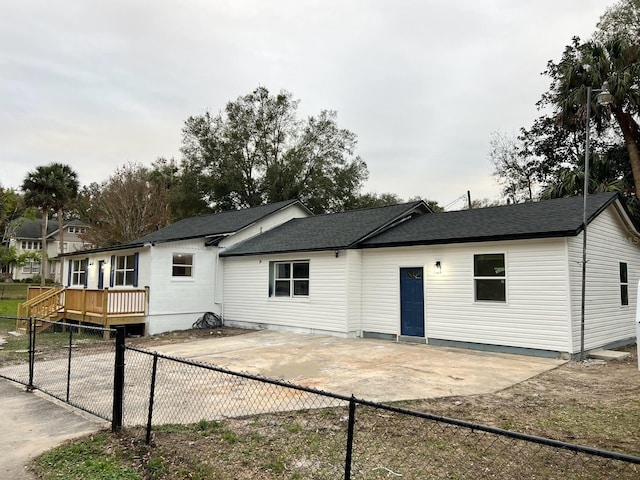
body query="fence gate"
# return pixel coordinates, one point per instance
(78, 364)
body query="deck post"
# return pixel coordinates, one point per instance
(105, 306)
(84, 304)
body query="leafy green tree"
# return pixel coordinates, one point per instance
(620, 19)
(369, 200)
(12, 210)
(258, 152)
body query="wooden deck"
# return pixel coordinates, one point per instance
(106, 308)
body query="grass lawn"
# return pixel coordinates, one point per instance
(53, 343)
(592, 403)
(9, 308)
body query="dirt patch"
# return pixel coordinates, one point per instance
(593, 403)
(182, 336)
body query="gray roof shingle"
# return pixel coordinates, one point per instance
(325, 232)
(213, 224)
(549, 218)
(32, 229)
(353, 229)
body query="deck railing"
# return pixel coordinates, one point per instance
(105, 307)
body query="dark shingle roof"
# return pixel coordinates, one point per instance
(549, 218)
(33, 228)
(325, 232)
(214, 224)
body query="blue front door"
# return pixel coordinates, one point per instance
(411, 302)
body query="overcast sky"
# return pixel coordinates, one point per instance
(422, 83)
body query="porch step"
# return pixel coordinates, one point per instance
(608, 355)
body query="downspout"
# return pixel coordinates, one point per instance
(215, 284)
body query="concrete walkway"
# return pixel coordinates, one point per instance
(33, 423)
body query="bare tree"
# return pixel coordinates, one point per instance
(129, 205)
(514, 170)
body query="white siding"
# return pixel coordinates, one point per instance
(177, 302)
(264, 224)
(247, 301)
(535, 314)
(608, 244)
(353, 272)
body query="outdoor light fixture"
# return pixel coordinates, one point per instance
(604, 98)
(437, 268)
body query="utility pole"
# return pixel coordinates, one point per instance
(469, 198)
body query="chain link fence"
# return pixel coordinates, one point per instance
(296, 432)
(71, 362)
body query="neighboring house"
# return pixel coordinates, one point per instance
(27, 237)
(500, 278)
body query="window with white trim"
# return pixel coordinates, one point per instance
(125, 268)
(182, 265)
(289, 279)
(78, 230)
(489, 277)
(30, 245)
(31, 267)
(79, 272)
(624, 284)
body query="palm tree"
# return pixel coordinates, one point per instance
(49, 187)
(66, 189)
(613, 63)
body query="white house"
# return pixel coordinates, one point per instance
(502, 278)
(26, 236)
(178, 265)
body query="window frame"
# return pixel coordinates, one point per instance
(292, 280)
(78, 276)
(185, 266)
(121, 273)
(490, 278)
(30, 245)
(624, 283)
(31, 267)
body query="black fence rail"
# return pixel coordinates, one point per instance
(68, 361)
(298, 432)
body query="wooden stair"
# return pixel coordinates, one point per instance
(46, 306)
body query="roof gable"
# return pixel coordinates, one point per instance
(548, 218)
(215, 224)
(32, 229)
(326, 232)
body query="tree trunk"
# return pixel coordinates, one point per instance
(631, 134)
(61, 233)
(43, 262)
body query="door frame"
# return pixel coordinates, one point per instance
(422, 337)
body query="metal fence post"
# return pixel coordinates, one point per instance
(118, 381)
(152, 391)
(69, 363)
(352, 421)
(32, 351)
